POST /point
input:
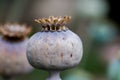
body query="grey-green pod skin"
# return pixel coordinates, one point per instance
(57, 50)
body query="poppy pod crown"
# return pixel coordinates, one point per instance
(54, 23)
(15, 30)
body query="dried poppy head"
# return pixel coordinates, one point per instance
(55, 48)
(15, 30)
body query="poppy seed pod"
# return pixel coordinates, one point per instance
(55, 48)
(13, 42)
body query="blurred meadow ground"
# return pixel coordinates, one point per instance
(95, 21)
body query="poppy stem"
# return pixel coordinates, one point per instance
(54, 75)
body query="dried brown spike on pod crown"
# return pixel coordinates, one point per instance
(54, 23)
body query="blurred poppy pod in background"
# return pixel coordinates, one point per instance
(13, 40)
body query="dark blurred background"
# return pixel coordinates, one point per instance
(95, 21)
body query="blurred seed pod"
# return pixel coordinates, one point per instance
(102, 31)
(114, 70)
(110, 51)
(13, 40)
(92, 8)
